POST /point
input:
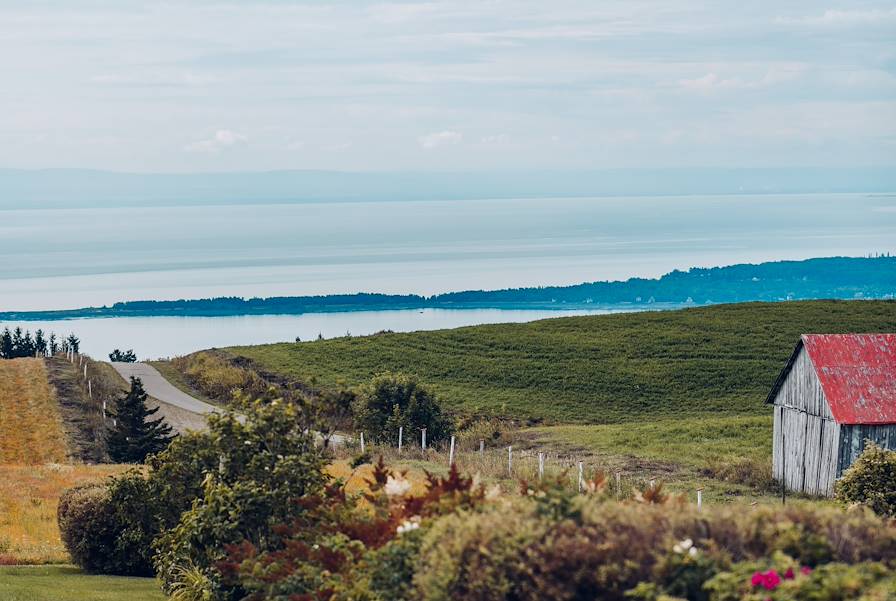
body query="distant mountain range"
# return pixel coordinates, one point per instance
(823, 278)
(78, 188)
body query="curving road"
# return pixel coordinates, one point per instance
(161, 389)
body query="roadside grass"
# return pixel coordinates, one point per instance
(179, 381)
(718, 360)
(67, 583)
(29, 496)
(31, 428)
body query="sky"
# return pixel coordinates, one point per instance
(370, 86)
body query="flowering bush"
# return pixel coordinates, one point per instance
(783, 579)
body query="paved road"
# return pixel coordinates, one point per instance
(159, 388)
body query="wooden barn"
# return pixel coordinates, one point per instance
(836, 391)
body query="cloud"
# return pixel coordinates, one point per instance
(712, 81)
(441, 138)
(495, 139)
(223, 138)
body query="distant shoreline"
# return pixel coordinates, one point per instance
(836, 278)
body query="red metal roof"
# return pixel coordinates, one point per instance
(857, 373)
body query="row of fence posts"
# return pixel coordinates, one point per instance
(82, 369)
(581, 484)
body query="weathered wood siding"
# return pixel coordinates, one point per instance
(806, 437)
(853, 439)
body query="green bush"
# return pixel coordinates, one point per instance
(267, 462)
(598, 549)
(871, 481)
(109, 528)
(390, 401)
(780, 578)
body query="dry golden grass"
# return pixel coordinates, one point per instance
(29, 495)
(31, 429)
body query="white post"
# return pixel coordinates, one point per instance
(481, 448)
(510, 461)
(362, 443)
(90, 388)
(699, 499)
(540, 466)
(104, 410)
(451, 453)
(423, 439)
(581, 476)
(653, 483)
(400, 436)
(85, 371)
(618, 484)
(114, 423)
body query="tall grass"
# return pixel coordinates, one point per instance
(29, 495)
(31, 429)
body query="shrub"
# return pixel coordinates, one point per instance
(780, 578)
(108, 528)
(871, 481)
(586, 548)
(477, 556)
(266, 463)
(390, 401)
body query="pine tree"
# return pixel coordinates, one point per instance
(134, 435)
(6, 347)
(40, 343)
(74, 343)
(52, 345)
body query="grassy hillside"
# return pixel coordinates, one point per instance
(596, 369)
(31, 429)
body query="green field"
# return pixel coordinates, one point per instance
(65, 583)
(590, 370)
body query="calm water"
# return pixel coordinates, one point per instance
(155, 337)
(58, 258)
(66, 258)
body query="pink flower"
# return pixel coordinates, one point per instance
(805, 570)
(767, 580)
(788, 575)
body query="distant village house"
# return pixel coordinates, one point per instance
(836, 392)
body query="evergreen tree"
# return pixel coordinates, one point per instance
(18, 343)
(52, 345)
(134, 435)
(40, 343)
(74, 343)
(6, 347)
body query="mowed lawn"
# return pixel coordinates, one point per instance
(64, 583)
(718, 360)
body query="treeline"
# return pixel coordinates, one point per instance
(825, 278)
(18, 343)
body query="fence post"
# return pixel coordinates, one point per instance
(510, 461)
(85, 371)
(104, 410)
(699, 498)
(481, 448)
(423, 438)
(540, 467)
(400, 436)
(451, 453)
(581, 476)
(362, 443)
(90, 388)
(618, 485)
